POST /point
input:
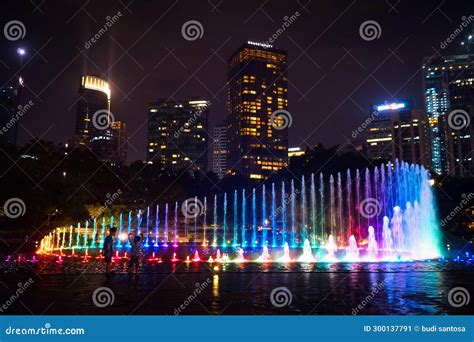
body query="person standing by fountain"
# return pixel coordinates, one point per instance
(136, 253)
(108, 249)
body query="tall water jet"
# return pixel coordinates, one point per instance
(147, 227)
(387, 241)
(313, 211)
(204, 224)
(283, 213)
(273, 217)
(254, 218)
(293, 214)
(265, 257)
(236, 222)
(175, 226)
(224, 225)
(264, 217)
(340, 221)
(286, 253)
(307, 255)
(244, 211)
(165, 227)
(352, 251)
(240, 255)
(372, 247)
(214, 223)
(321, 209)
(304, 226)
(157, 224)
(331, 249)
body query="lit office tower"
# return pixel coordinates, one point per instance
(220, 151)
(8, 123)
(93, 118)
(120, 142)
(398, 131)
(257, 87)
(177, 134)
(448, 85)
(94, 95)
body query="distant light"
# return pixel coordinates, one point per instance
(21, 51)
(431, 182)
(123, 236)
(470, 37)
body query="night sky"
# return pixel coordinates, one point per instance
(334, 74)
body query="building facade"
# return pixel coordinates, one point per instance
(178, 134)
(120, 142)
(256, 88)
(448, 85)
(398, 131)
(220, 151)
(93, 117)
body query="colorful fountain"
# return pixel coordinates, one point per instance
(384, 214)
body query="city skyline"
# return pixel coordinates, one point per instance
(313, 74)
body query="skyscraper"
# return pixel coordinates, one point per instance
(220, 151)
(398, 131)
(120, 142)
(448, 85)
(93, 117)
(256, 88)
(178, 134)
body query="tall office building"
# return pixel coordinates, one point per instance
(220, 151)
(8, 122)
(398, 131)
(256, 88)
(460, 137)
(94, 97)
(120, 142)
(448, 85)
(178, 134)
